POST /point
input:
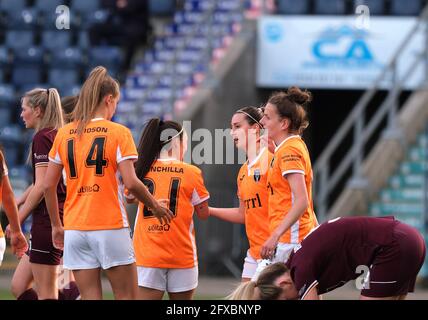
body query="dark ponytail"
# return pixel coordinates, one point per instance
(152, 141)
(291, 105)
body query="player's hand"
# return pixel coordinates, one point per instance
(163, 214)
(19, 243)
(265, 141)
(7, 231)
(269, 247)
(58, 237)
(164, 203)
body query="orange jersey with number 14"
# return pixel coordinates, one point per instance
(94, 189)
(170, 245)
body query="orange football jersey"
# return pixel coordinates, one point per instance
(291, 156)
(252, 191)
(94, 189)
(170, 245)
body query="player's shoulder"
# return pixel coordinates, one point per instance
(44, 135)
(243, 168)
(116, 127)
(293, 144)
(192, 169)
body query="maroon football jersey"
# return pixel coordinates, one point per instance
(42, 144)
(329, 256)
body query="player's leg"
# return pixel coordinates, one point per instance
(151, 283)
(44, 259)
(46, 280)
(185, 295)
(83, 262)
(249, 269)
(89, 283)
(123, 280)
(181, 283)
(22, 280)
(114, 251)
(149, 294)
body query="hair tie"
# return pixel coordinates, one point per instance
(251, 117)
(177, 135)
(161, 123)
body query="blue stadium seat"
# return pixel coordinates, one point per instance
(7, 94)
(48, 6)
(53, 40)
(85, 6)
(161, 7)
(4, 57)
(12, 6)
(92, 18)
(376, 7)
(5, 115)
(292, 7)
(69, 91)
(11, 152)
(330, 7)
(109, 57)
(11, 133)
(19, 39)
(66, 58)
(24, 75)
(406, 8)
(83, 40)
(63, 78)
(29, 56)
(26, 19)
(30, 86)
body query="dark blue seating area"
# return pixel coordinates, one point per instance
(35, 53)
(169, 74)
(345, 7)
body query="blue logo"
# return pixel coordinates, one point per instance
(274, 32)
(344, 46)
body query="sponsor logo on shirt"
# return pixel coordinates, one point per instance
(89, 189)
(40, 156)
(159, 228)
(257, 175)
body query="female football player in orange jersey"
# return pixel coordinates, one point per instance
(291, 211)
(97, 155)
(252, 186)
(166, 253)
(7, 199)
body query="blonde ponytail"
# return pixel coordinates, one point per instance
(98, 85)
(49, 102)
(245, 291)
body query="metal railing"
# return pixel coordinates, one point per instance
(326, 178)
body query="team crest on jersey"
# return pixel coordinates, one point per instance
(257, 175)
